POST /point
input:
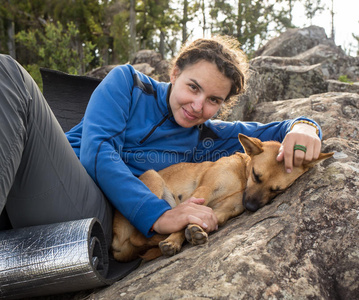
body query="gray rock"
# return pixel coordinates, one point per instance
(297, 64)
(270, 81)
(100, 72)
(338, 86)
(333, 61)
(295, 41)
(148, 62)
(144, 68)
(290, 81)
(147, 56)
(154, 59)
(336, 113)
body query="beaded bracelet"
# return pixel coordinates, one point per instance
(306, 122)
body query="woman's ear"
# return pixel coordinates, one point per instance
(174, 74)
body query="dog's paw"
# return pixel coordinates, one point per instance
(168, 248)
(196, 235)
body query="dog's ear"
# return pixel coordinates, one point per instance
(252, 146)
(322, 156)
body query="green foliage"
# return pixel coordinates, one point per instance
(155, 20)
(153, 16)
(312, 7)
(34, 71)
(344, 78)
(78, 35)
(120, 35)
(248, 20)
(57, 48)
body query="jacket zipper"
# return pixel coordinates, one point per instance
(153, 129)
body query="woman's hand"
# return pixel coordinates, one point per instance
(304, 135)
(190, 211)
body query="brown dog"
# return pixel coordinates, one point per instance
(229, 185)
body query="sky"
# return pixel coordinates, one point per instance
(346, 22)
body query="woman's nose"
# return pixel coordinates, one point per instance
(197, 104)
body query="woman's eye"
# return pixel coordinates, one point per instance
(193, 87)
(215, 100)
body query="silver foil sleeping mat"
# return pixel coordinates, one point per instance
(56, 258)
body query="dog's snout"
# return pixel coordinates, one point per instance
(250, 204)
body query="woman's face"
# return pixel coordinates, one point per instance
(197, 93)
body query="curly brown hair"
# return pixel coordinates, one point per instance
(224, 52)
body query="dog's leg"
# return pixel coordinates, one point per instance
(224, 209)
(172, 244)
(128, 243)
(228, 207)
(122, 247)
(204, 192)
(196, 235)
(157, 185)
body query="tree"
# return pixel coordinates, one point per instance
(118, 19)
(19, 15)
(133, 45)
(33, 15)
(248, 21)
(312, 7)
(357, 38)
(87, 15)
(57, 49)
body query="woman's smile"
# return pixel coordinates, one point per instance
(189, 115)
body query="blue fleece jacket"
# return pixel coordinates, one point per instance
(128, 128)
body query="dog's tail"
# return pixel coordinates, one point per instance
(151, 254)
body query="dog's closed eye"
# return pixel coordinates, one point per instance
(256, 177)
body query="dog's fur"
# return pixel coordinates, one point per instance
(230, 185)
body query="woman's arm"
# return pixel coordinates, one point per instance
(103, 138)
(221, 138)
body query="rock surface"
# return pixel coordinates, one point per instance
(295, 41)
(297, 64)
(290, 81)
(148, 62)
(337, 113)
(338, 86)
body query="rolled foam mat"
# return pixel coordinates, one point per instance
(57, 258)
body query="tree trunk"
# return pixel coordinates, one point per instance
(11, 38)
(239, 21)
(332, 35)
(290, 11)
(162, 43)
(184, 21)
(132, 30)
(204, 27)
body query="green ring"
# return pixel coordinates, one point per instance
(301, 148)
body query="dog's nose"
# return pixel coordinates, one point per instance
(250, 204)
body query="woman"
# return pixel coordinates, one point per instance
(132, 123)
